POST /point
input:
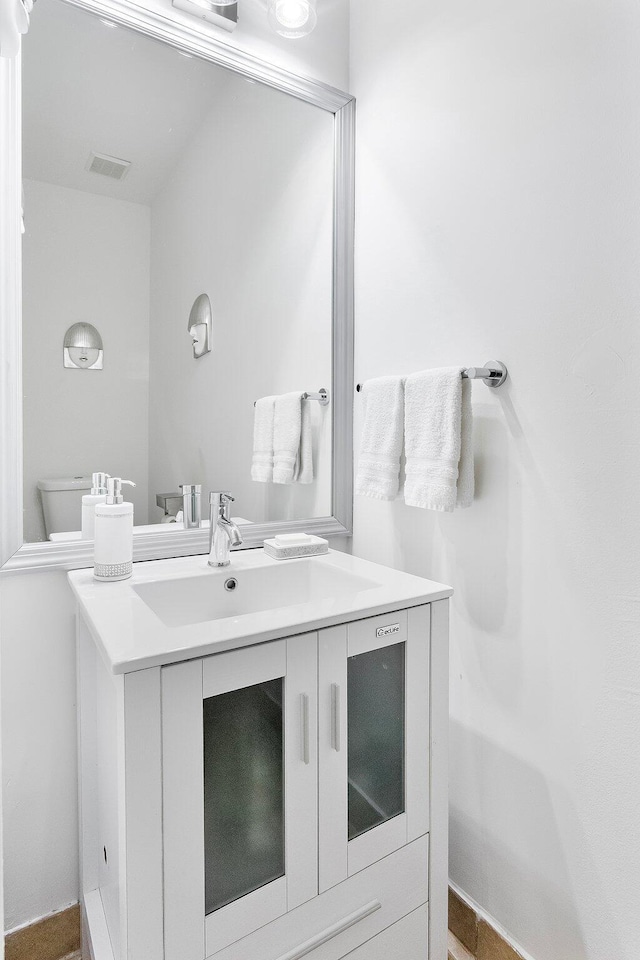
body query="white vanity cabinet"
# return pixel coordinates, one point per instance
(273, 801)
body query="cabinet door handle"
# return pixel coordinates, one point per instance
(304, 712)
(304, 948)
(335, 716)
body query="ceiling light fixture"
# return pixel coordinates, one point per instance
(222, 13)
(292, 18)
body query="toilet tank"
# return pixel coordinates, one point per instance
(62, 502)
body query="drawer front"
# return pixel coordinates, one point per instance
(408, 939)
(346, 916)
(363, 635)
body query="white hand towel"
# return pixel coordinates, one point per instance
(305, 452)
(438, 437)
(263, 421)
(466, 478)
(287, 429)
(381, 445)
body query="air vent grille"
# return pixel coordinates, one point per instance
(107, 166)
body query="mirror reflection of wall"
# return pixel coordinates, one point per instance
(229, 190)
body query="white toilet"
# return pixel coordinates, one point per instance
(62, 503)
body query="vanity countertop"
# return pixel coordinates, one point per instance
(179, 609)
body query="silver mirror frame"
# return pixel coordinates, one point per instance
(18, 556)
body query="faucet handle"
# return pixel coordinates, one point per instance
(218, 498)
(220, 501)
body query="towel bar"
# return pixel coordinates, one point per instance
(494, 373)
(322, 396)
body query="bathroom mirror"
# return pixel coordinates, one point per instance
(160, 165)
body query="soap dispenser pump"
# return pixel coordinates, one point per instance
(90, 501)
(113, 548)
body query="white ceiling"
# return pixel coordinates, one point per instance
(90, 87)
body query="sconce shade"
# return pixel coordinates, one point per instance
(82, 347)
(83, 335)
(292, 18)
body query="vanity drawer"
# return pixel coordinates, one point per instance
(346, 916)
(405, 940)
(382, 631)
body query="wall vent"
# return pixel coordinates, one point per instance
(107, 166)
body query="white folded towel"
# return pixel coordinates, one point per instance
(292, 459)
(305, 451)
(381, 444)
(439, 441)
(262, 462)
(466, 473)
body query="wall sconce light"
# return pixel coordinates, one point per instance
(82, 349)
(199, 326)
(292, 18)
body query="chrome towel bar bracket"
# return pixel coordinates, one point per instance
(322, 396)
(494, 373)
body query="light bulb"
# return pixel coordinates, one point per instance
(292, 18)
(292, 13)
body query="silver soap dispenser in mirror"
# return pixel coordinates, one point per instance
(90, 501)
(199, 326)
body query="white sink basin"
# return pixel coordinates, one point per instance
(172, 610)
(228, 592)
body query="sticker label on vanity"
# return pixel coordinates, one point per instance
(387, 631)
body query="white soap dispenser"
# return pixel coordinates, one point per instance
(113, 548)
(89, 502)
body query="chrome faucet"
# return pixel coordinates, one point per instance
(223, 533)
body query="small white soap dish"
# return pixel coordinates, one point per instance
(286, 546)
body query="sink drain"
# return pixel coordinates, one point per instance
(230, 584)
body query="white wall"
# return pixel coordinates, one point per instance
(256, 236)
(85, 257)
(498, 216)
(39, 746)
(38, 639)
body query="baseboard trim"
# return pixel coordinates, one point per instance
(457, 950)
(478, 933)
(56, 937)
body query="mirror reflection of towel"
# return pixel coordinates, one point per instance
(282, 448)
(292, 462)
(262, 462)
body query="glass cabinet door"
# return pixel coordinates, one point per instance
(373, 740)
(244, 801)
(239, 793)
